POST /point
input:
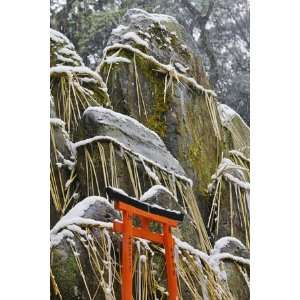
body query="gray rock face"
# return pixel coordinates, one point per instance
(98, 121)
(238, 129)
(159, 195)
(159, 35)
(75, 244)
(101, 211)
(237, 273)
(151, 90)
(232, 246)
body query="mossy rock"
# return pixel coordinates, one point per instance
(180, 115)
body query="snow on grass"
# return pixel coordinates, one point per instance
(58, 37)
(116, 59)
(167, 68)
(57, 122)
(139, 156)
(82, 70)
(215, 258)
(231, 172)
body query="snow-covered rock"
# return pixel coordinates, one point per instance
(102, 122)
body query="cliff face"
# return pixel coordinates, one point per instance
(145, 122)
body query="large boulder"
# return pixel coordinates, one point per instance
(154, 73)
(80, 242)
(102, 122)
(85, 260)
(234, 257)
(116, 150)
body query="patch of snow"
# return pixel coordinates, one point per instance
(153, 191)
(187, 247)
(143, 258)
(196, 33)
(57, 122)
(168, 68)
(139, 156)
(70, 164)
(150, 173)
(69, 52)
(64, 59)
(116, 59)
(137, 13)
(125, 119)
(232, 173)
(78, 69)
(58, 37)
(227, 114)
(223, 242)
(134, 37)
(180, 67)
(119, 30)
(214, 261)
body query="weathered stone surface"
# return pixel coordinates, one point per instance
(98, 121)
(237, 273)
(73, 85)
(72, 246)
(239, 131)
(159, 195)
(175, 109)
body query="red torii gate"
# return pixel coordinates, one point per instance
(131, 207)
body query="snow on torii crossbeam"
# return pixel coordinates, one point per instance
(146, 213)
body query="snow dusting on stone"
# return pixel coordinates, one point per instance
(134, 37)
(75, 217)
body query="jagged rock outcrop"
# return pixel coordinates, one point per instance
(116, 150)
(163, 85)
(73, 86)
(80, 243)
(168, 142)
(236, 270)
(85, 260)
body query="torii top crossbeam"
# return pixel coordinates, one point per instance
(131, 207)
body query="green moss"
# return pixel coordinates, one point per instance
(65, 272)
(159, 106)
